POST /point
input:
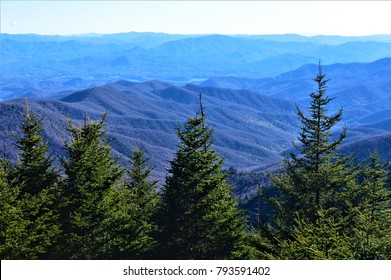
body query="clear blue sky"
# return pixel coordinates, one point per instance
(197, 17)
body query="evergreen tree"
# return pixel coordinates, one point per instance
(370, 212)
(322, 240)
(258, 246)
(11, 218)
(144, 201)
(312, 179)
(28, 196)
(91, 172)
(34, 171)
(324, 208)
(199, 218)
(131, 211)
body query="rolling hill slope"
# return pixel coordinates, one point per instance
(362, 89)
(251, 129)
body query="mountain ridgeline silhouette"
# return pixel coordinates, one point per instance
(38, 65)
(150, 82)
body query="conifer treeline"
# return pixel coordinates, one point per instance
(324, 205)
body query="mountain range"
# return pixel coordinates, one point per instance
(150, 83)
(147, 115)
(362, 89)
(38, 65)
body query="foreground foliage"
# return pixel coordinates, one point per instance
(29, 221)
(327, 207)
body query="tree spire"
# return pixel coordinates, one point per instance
(199, 218)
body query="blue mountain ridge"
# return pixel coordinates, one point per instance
(142, 79)
(30, 61)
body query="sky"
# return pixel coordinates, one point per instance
(346, 18)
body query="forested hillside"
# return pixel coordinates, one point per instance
(251, 129)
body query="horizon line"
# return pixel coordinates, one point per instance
(198, 34)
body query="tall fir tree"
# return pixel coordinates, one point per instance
(91, 172)
(144, 200)
(199, 218)
(312, 178)
(327, 208)
(131, 212)
(34, 182)
(34, 170)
